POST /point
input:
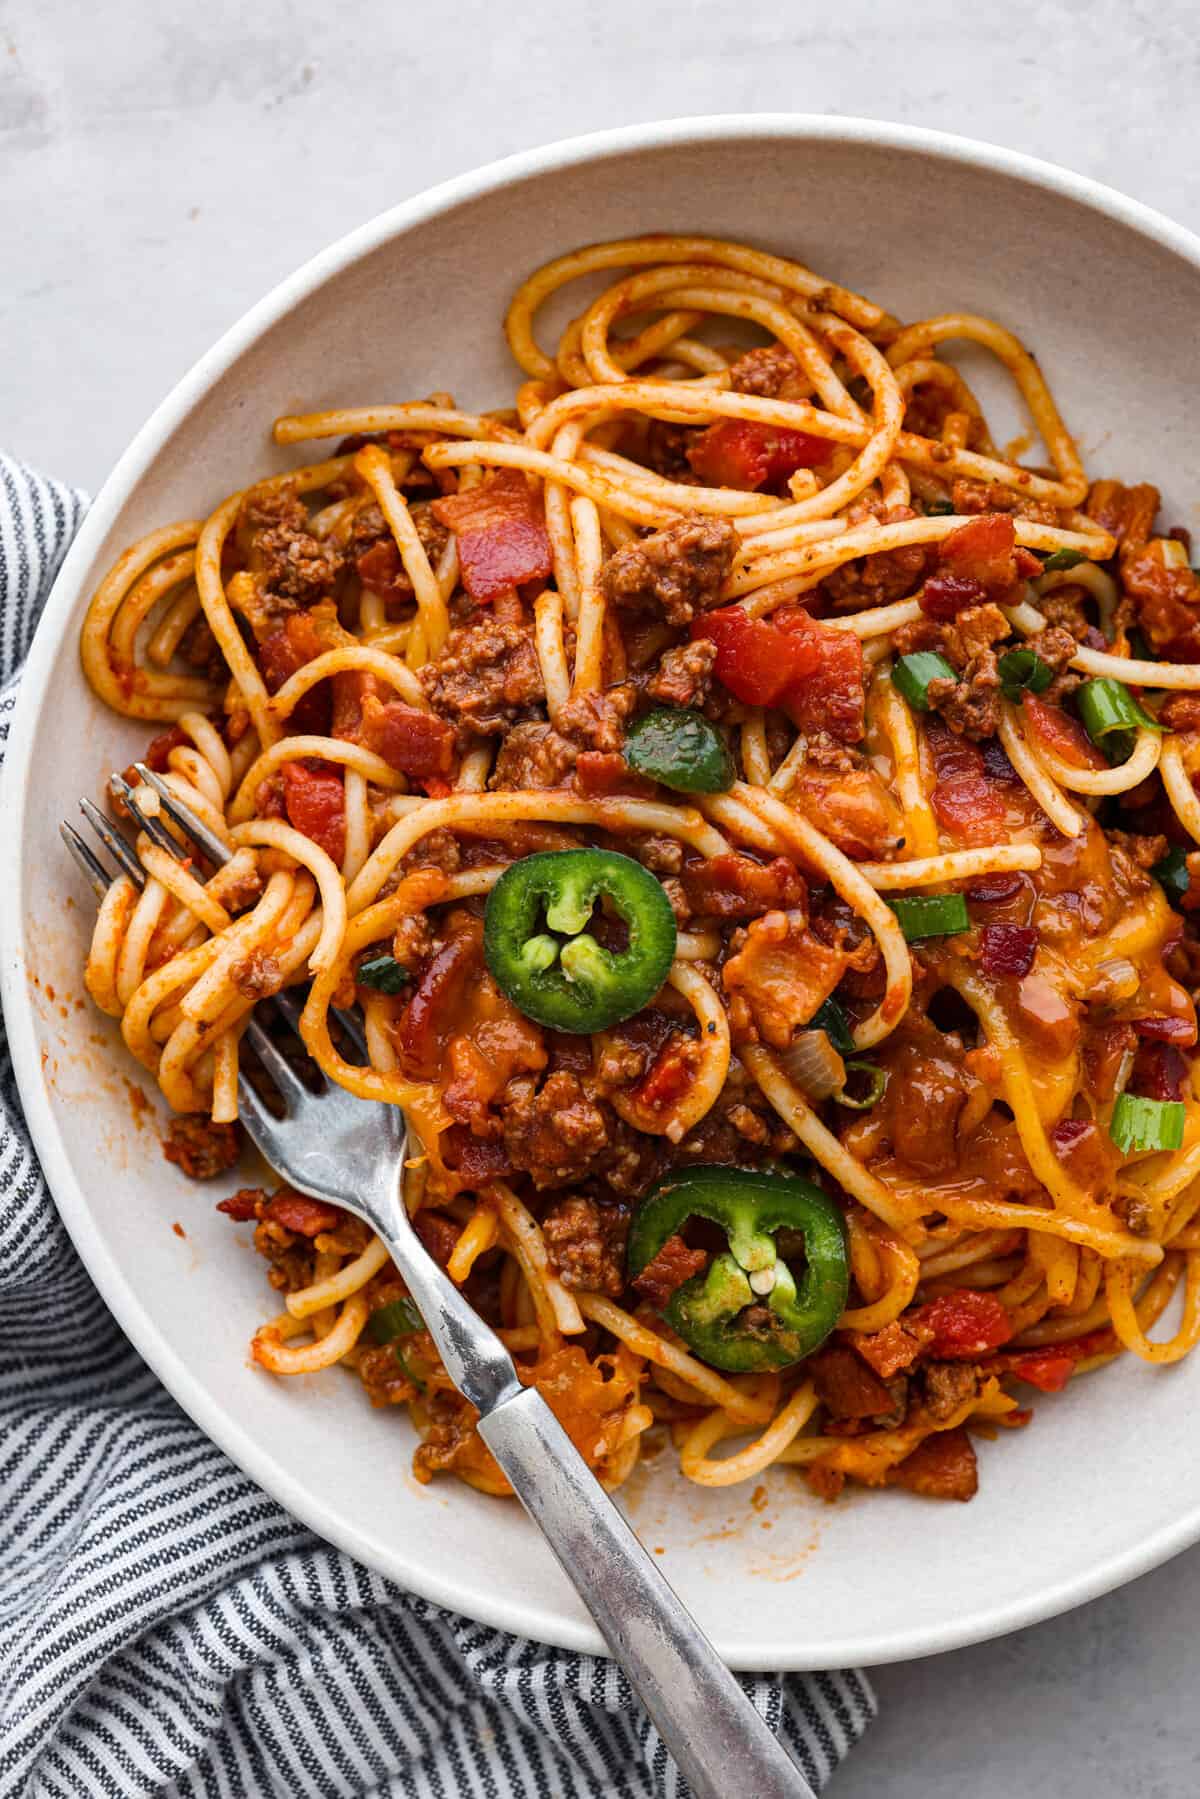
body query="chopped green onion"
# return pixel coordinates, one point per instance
(1172, 874)
(383, 973)
(1139, 648)
(1062, 559)
(1138, 1123)
(399, 1319)
(877, 1081)
(830, 1018)
(912, 675)
(1107, 706)
(1021, 669)
(931, 915)
(939, 509)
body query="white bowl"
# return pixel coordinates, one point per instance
(1106, 1481)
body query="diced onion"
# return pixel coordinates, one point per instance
(815, 1066)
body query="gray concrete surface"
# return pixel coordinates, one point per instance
(162, 165)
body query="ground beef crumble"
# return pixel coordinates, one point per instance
(676, 572)
(585, 1240)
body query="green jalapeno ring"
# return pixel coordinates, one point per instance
(751, 1207)
(543, 957)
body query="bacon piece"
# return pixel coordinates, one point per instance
(1063, 735)
(965, 1324)
(160, 747)
(1007, 949)
(502, 538)
(942, 1467)
(784, 973)
(381, 570)
(299, 1213)
(674, 1264)
(245, 1204)
(438, 1233)
(845, 1385)
(1164, 1029)
(944, 596)
(1126, 513)
(1159, 1072)
(315, 801)
(963, 799)
(733, 886)
(852, 806)
(989, 889)
(1085, 1151)
(740, 453)
(890, 1350)
(435, 1011)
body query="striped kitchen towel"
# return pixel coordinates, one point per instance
(165, 1627)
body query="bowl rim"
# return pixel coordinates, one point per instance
(438, 1583)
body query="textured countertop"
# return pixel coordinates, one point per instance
(161, 166)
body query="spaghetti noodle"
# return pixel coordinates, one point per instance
(916, 728)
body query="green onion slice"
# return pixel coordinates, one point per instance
(1138, 1123)
(912, 675)
(1172, 874)
(931, 915)
(1062, 559)
(830, 1018)
(399, 1319)
(876, 1079)
(383, 973)
(1106, 706)
(939, 509)
(1020, 670)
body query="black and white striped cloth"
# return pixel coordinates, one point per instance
(166, 1628)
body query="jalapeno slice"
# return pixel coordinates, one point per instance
(748, 1310)
(538, 946)
(680, 748)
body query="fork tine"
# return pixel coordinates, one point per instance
(256, 1117)
(291, 1087)
(114, 843)
(89, 863)
(156, 832)
(185, 818)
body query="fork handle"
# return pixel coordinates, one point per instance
(718, 1740)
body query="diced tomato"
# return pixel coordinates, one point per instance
(415, 743)
(1007, 949)
(756, 660)
(1047, 1369)
(287, 648)
(740, 453)
(963, 799)
(965, 1324)
(160, 747)
(674, 1264)
(601, 772)
(315, 801)
(984, 549)
(813, 672)
(297, 1212)
(1062, 734)
(669, 1076)
(735, 886)
(501, 532)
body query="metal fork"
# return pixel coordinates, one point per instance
(351, 1153)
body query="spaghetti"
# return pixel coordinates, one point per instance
(886, 1074)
